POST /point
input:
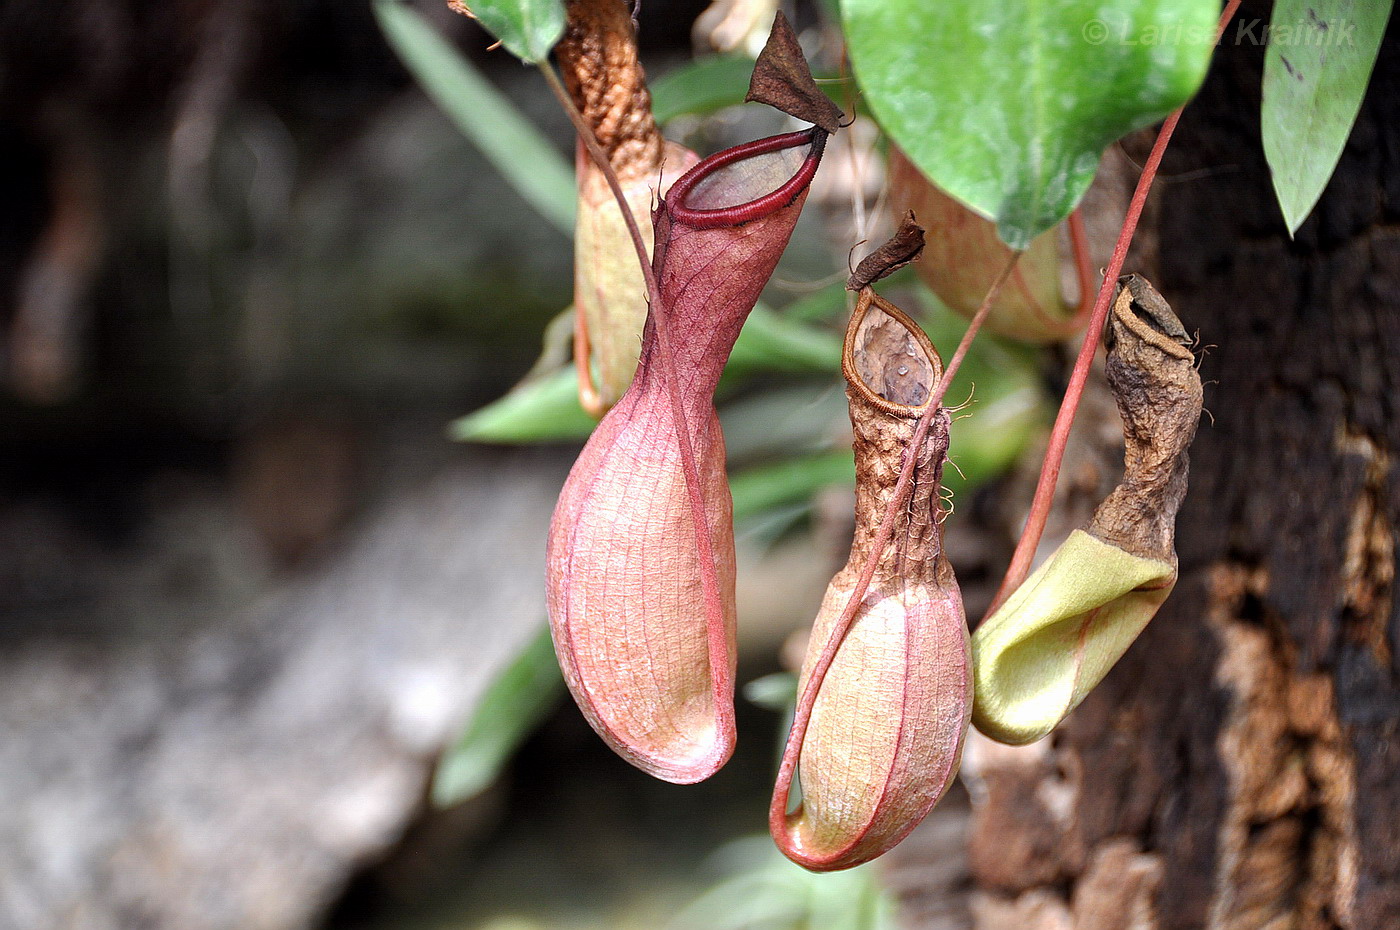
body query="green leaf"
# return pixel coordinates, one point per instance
(527, 28)
(771, 342)
(545, 407)
(543, 410)
(784, 420)
(1008, 408)
(1009, 104)
(524, 157)
(1316, 69)
(776, 692)
(1007, 402)
(834, 301)
(766, 486)
(513, 705)
(701, 87)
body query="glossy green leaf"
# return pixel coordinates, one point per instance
(524, 157)
(1318, 63)
(701, 87)
(1009, 104)
(527, 28)
(543, 410)
(512, 707)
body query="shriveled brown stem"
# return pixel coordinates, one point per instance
(1153, 377)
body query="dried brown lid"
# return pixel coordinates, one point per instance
(783, 80)
(903, 247)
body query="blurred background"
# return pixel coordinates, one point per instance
(253, 594)
(285, 405)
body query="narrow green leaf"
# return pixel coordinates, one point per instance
(1009, 104)
(1008, 408)
(543, 410)
(766, 486)
(1319, 60)
(776, 692)
(772, 342)
(527, 28)
(1000, 423)
(524, 157)
(545, 407)
(701, 87)
(515, 703)
(832, 301)
(784, 420)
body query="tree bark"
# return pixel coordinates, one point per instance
(1241, 767)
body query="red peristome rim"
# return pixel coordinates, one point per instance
(754, 209)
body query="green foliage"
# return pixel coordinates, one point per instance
(545, 408)
(1006, 404)
(527, 28)
(834, 302)
(761, 890)
(776, 692)
(524, 157)
(701, 87)
(1318, 64)
(798, 444)
(513, 706)
(1008, 104)
(772, 342)
(784, 420)
(1007, 409)
(765, 487)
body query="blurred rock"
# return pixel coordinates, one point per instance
(190, 740)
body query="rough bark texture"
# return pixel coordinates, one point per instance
(1238, 769)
